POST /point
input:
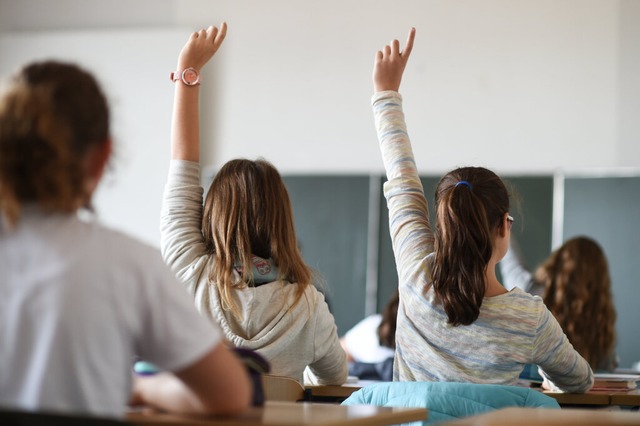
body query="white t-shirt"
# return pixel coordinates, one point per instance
(363, 344)
(78, 303)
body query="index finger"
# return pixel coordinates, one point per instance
(409, 44)
(222, 33)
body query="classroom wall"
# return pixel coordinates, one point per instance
(526, 87)
(517, 85)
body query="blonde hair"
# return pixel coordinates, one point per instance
(51, 114)
(578, 294)
(247, 212)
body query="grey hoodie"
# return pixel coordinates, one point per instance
(291, 337)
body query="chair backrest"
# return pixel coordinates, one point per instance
(36, 418)
(449, 401)
(279, 388)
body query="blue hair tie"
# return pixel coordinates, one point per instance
(464, 182)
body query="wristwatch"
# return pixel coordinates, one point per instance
(189, 76)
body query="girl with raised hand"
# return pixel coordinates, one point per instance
(456, 322)
(78, 301)
(238, 255)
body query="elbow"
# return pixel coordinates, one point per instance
(232, 403)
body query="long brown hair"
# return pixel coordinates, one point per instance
(51, 114)
(387, 328)
(470, 205)
(578, 294)
(247, 212)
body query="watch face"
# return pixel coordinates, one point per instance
(190, 77)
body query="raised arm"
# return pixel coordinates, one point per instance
(185, 126)
(181, 239)
(411, 233)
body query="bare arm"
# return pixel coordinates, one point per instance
(185, 125)
(216, 384)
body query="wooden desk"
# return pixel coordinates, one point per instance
(335, 393)
(291, 413)
(631, 398)
(547, 417)
(600, 398)
(589, 398)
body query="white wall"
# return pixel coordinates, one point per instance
(517, 85)
(521, 86)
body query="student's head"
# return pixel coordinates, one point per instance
(54, 139)
(472, 226)
(247, 212)
(387, 328)
(578, 293)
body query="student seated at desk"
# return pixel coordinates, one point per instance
(575, 285)
(238, 255)
(79, 301)
(456, 322)
(370, 344)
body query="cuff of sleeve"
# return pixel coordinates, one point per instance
(385, 94)
(182, 170)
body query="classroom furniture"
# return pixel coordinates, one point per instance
(36, 418)
(280, 388)
(540, 416)
(631, 398)
(290, 413)
(447, 401)
(332, 393)
(597, 398)
(337, 394)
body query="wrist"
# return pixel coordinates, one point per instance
(188, 76)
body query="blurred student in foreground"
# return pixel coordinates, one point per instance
(79, 301)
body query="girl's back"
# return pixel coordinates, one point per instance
(455, 320)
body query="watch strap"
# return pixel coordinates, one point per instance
(180, 76)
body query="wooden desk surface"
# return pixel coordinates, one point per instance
(589, 398)
(337, 391)
(597, 398)
(548, 417)
(626, 398)
(291, 413)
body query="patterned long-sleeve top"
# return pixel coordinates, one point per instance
(512, 330)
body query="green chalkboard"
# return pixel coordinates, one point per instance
(331, 215)
(607, 209)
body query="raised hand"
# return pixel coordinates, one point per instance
(201, 47)
(390, 63)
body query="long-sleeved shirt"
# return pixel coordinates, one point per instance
(512, 329)
(291, 337)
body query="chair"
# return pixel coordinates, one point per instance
(447, 401)
(279, 388)
(11, 417)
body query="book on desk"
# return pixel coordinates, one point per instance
(617, 382)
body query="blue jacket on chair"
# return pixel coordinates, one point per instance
(448, 401)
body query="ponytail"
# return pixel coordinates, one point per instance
(470, 204)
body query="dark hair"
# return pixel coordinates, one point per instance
(50, 115)
(578, 294)
(387, 328)
(247, 212)
(467, 217)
